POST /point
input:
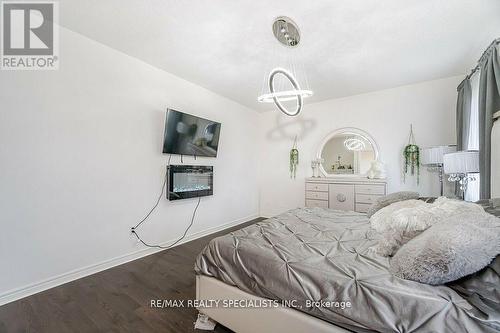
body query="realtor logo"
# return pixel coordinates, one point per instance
(29, 35)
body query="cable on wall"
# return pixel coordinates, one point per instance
(134, 229)
(178, 240)
(156, 204)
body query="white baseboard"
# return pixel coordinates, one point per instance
(18, 293)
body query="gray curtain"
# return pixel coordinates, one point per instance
(489, 103)
(463, 113)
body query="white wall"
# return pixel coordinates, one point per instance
(386, 115)
(81, 163)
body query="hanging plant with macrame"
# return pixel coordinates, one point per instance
(294, 159)
(411, 154)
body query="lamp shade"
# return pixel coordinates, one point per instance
(461, 162)
(496, 115)
(434, 155)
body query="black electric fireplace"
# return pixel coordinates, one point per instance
(189, 181)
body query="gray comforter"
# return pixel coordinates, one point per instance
(319, 254)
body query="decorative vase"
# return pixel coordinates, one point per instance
(314, 167)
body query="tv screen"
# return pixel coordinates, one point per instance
(186, 134)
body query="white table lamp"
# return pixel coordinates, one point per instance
(433, 158)
(460, 165)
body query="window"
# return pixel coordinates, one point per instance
(473, 140)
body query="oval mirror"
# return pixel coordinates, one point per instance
(347, 152)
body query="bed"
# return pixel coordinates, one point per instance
(321, 258)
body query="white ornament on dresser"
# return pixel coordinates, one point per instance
(315, 166)
(349, 193)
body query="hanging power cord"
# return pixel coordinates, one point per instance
(134, 229)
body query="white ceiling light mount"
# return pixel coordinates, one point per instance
(287, 33)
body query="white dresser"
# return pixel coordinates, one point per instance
(344, 193)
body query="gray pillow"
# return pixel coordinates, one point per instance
(491, 206)
(460, 245)
(390, 199)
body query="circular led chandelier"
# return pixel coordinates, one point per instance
(287, 33)
(354, 144)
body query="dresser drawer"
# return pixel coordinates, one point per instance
(316, 187)
(366, 198)
(316, 203)
(362, 207)
(341, 196)
(317, 195)
(370, 189)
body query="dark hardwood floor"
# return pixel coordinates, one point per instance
(118, 299)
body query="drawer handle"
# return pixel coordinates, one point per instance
(341, 197)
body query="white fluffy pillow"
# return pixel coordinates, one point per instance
(458, 246)
(380, 221)
(402, 223)
(450, 207)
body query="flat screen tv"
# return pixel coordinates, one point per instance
(186, 134)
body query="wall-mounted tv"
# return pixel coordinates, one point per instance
(186, 134)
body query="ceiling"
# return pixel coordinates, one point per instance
(347, 47)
